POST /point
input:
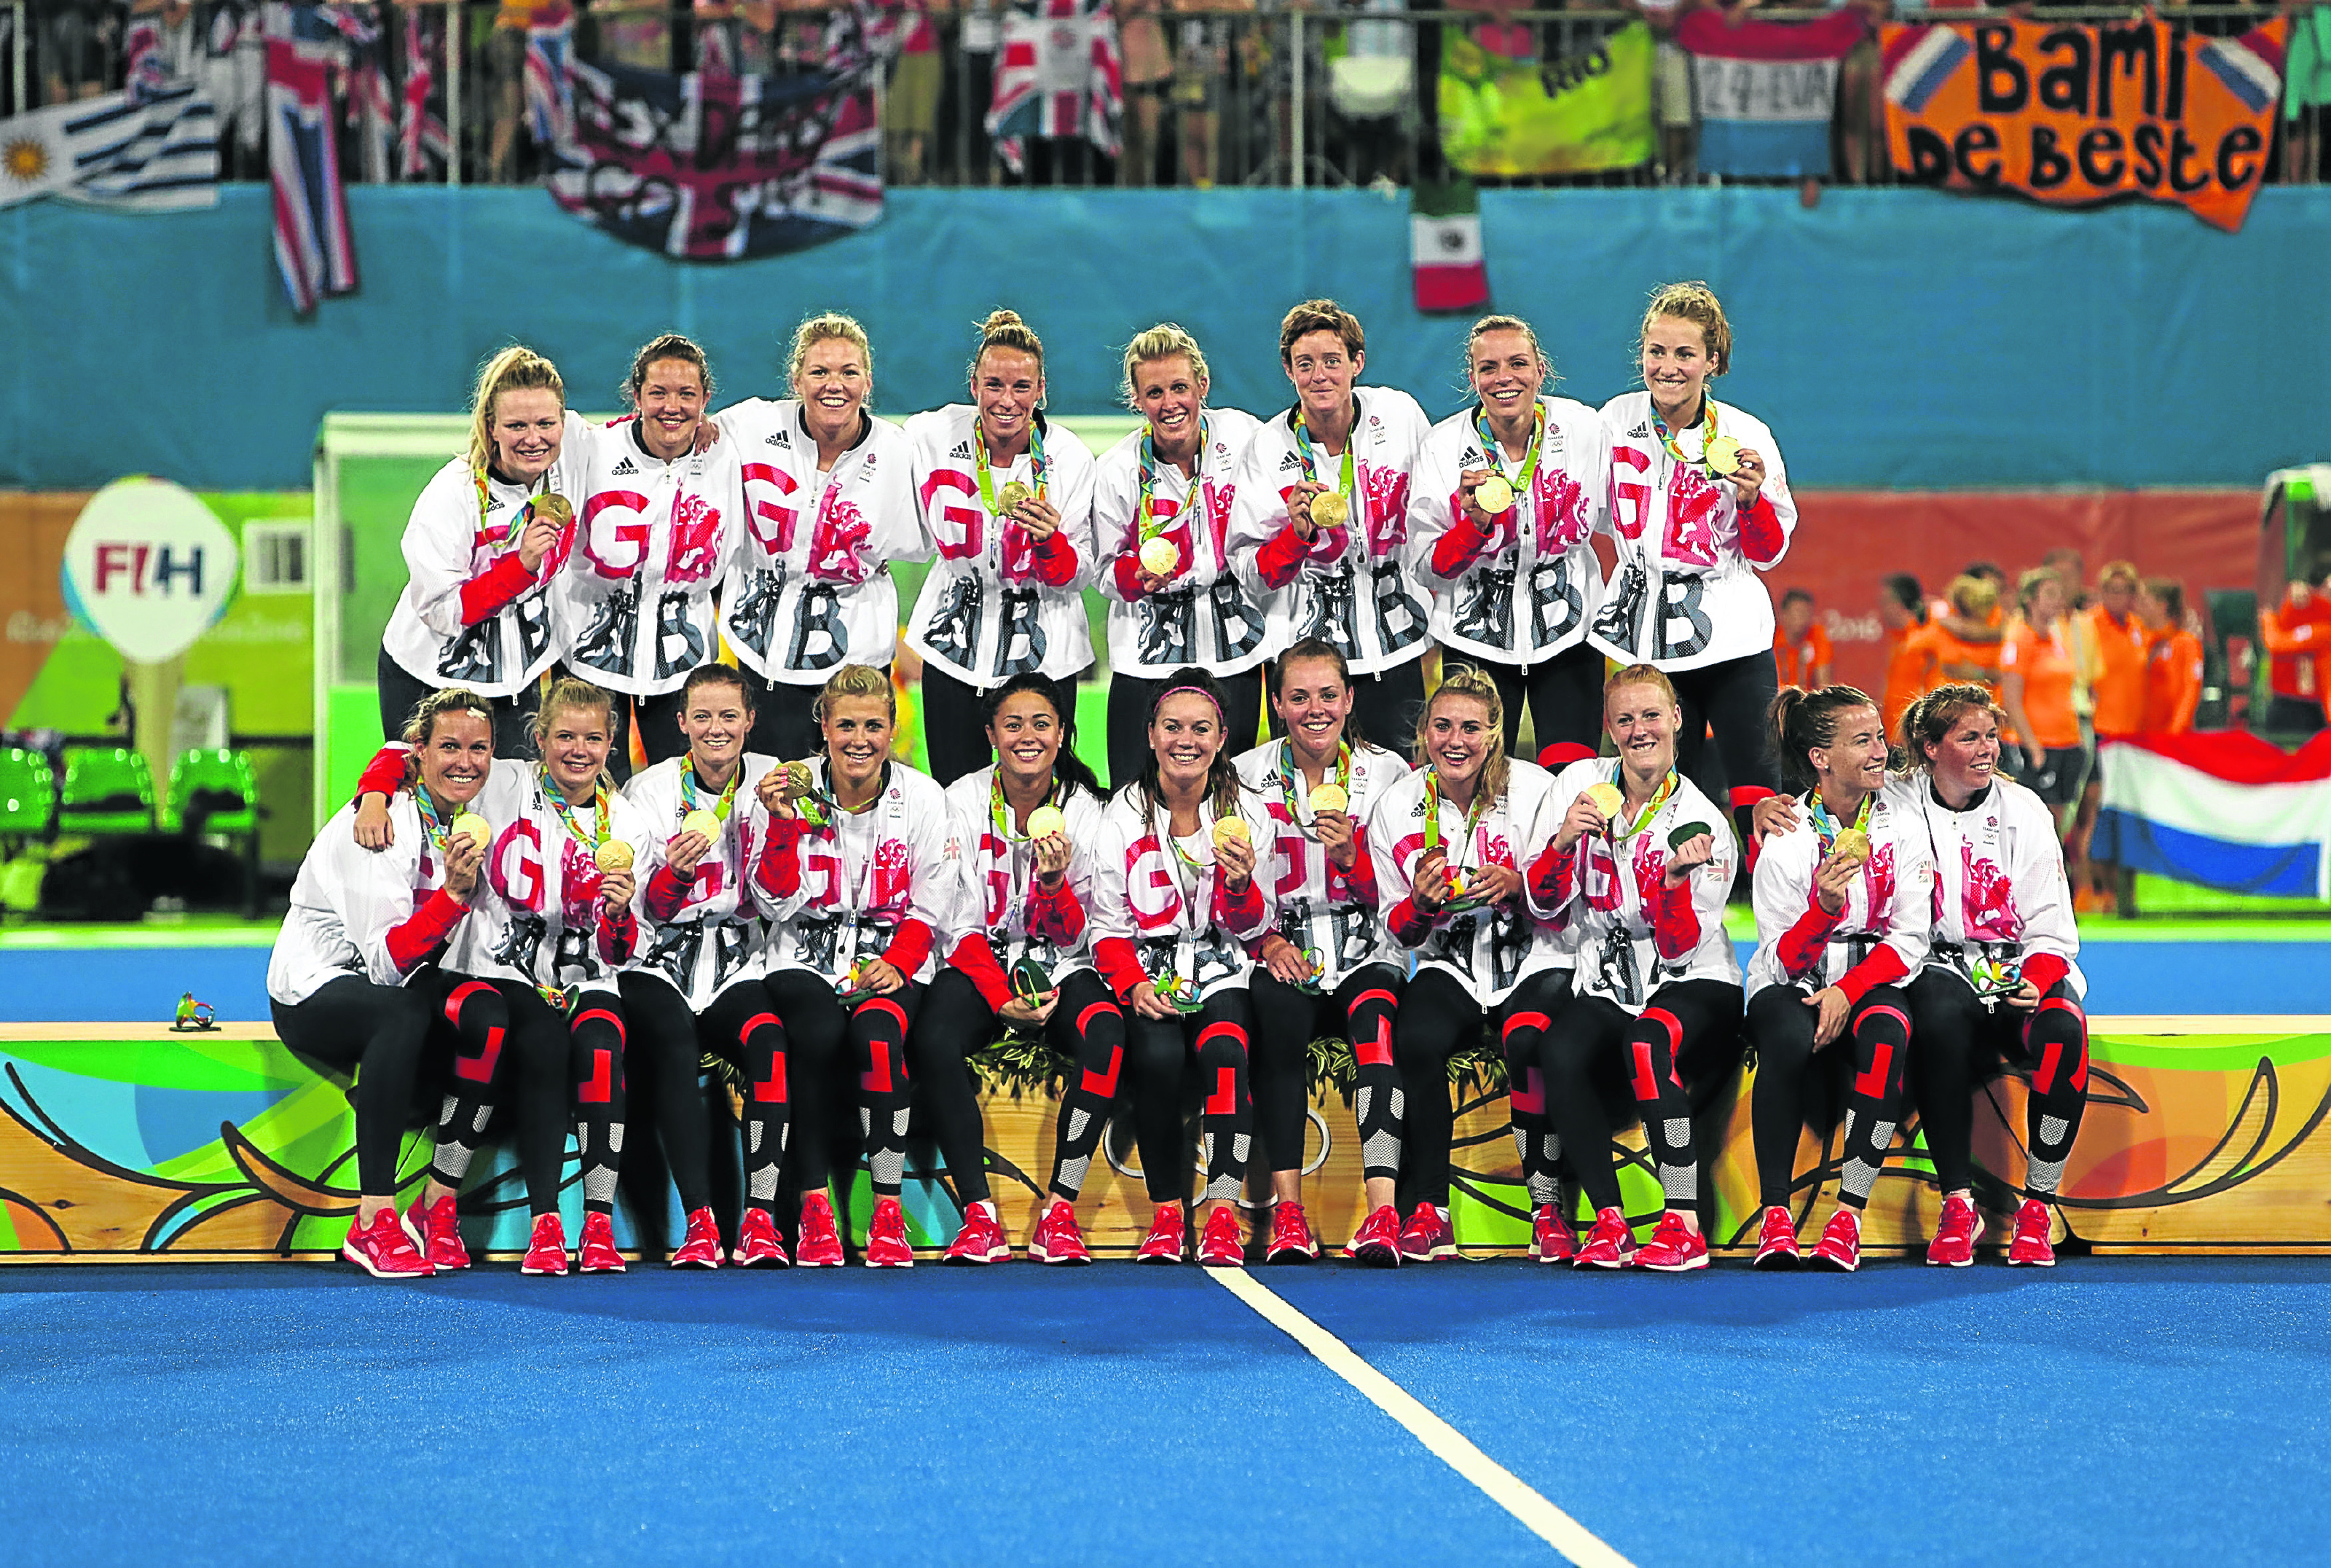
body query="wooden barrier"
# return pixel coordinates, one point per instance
(125, 1141)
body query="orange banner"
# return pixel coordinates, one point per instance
(2085, 112)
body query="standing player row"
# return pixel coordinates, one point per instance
(843, 920)
(1218, 540)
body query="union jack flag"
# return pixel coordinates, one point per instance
(314, 250)
(549, 91)
(1058, 73)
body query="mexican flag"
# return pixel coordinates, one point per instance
(1444, 238)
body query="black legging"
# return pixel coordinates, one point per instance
(1733, 698)
(1960, 1046)
(1670, 1062)
(741, 1026)
(1861, 1075)
(1285, 1021)
(954, 738)
(876, 1028)
(512, 1048)
(378, 1033)
(658, 720)
(1131, 697)
(1212, 1045)
(1085, 1026)
(1387, 706)
(782, 724)
(1565, 693)
(596, 1037)
(402, 692)
(1439, 1017)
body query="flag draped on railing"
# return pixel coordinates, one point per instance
(1767, 90)
(151, 147)
(2227, 810)
(1057, 75)
(314, 250)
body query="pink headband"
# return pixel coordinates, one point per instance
(1194, 691)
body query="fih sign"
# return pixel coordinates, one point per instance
(148, 567)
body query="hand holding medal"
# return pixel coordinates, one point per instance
(1493, 497)
(1233, 852)
(1331, 820)
(546, 517)
(616, 886)
(1595, 811)
(465, 853)
(1048, 834)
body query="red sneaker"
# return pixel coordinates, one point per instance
(598, 1254)
(1609, 1244)
(702, 1248)
(1377, 1240)
(1955, 1234)
(1551, 1241)
(886, 1237)
(981, 1239)
(1057, 1238)
(1675, 1247)
(1776, 1241)
(1291, 1240)
(1166, 1233)
(384, 1250)
(1427, 1236)
(1839, 1247)
(2031, 1246)
(821, 1243)
(1223, 1246)
(437, 1233)
(757, 1242)
(546, 1250)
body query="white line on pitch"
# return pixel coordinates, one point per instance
(1445, 1442)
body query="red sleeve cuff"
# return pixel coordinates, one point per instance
(1119, 964)
(1361, 879)
(484, 595)
(1460, 548)
(1233, 910)
(424, 930)
(2044, 970)
(1761, 539)
(1127, 572)
(619, 935)
(1055, 561)
(1410, 925)
(1551, 879)
(1801, 946)
(977, 961)
(1280, 557)
(667, 893)
(384, 773)
(1882, 967)
(778, 869)
(1056, 913)
(1676, 930)
(908, 948)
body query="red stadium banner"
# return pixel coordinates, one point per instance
(2085, 112)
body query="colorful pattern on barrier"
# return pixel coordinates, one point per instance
(124, 1140)
(2079, 113)
(2226, 809)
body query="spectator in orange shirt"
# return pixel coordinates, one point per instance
(1975, 630)
(1973, 604)
(2116, 641)
(1911, 648)
(2172, 666)
(1800, 647)
(2297, 633)
(2036, 675)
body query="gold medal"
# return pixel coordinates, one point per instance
(1851, 847)
(614, 855)
(1012, 494)
(704, 822)
(1723, 455)
(1329, 510)
(553, 508)
(1605, 798)
(1493, 494)
(1160, 557)
(1046, 821)
(1229, 828)
(470, 825)
(1330, 797)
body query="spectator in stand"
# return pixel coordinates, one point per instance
(1670, 90)
(2116, 640)
(1970, 607)
(1148, 73)
(1201, 65)
(911, 109)
(2072, 572)
(2035, 679)
(1912, 647)
(1800, 647)
(2173, 663)
(2295, 633)
(76, 44)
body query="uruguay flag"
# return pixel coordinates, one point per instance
(2226, 810)
(1767, 90)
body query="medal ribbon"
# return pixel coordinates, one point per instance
(1312, 468)
(1149, 526)
(1667, 787)
(1432, 816)
(1707, 433)
(430, 822)
(566, 812)
(1287, 781)
(690, 800)
(1001, 814)
(1826, 826)
(1495, 453)
(485, 500)
(987, 480)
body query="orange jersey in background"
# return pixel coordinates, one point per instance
(2118, 678)
(2295, 637)
(1984, 656)
(1911, 661)
(2172, 682)
(1799, 660)
(2044, 660)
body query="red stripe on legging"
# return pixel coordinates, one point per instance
(1668, 1021)
(1523, 1021)
(876, 1078)
(1873, 1082)
(600, 1089)
(771, 1090)
(462, 994)
(582, 1019)
(1104, 1084)
(1364, 997)
(1212, 1030)
(2046, 1076)
(1377, 1052)
(884, 1004)
(1530, 1100)
(1895, 1013)
(477, 1068)
(1084, 1019)
(1223, 1101)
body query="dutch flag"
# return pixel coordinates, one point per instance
(1921, 61)
(2249, 66)
(2225, 810)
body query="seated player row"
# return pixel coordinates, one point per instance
(628, 554)
(518, 929)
